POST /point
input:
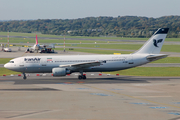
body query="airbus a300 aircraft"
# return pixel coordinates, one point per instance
(63, 65)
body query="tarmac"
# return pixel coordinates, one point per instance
(105, 97)
(99, 97)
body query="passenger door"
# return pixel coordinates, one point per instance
(22, 64)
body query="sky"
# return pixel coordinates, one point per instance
(73, 9)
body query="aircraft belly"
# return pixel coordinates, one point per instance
(38, 69)
(17, 69)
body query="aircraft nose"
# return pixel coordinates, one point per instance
(6, 65)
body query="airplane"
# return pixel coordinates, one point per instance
(7, 49)
(40, 48)
(63, 65)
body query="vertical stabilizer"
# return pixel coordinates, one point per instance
(36, 40)
(154, 44)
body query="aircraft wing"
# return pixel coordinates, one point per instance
(49, 46)
(82, 65)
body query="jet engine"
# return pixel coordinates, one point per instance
(60, 71)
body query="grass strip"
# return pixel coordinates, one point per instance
(149, 71)
(82, 37)
(5, 71)
(109, 46)
(95, 51)
(165, 48)
(168, 60)
(60, 41)
(4, 60)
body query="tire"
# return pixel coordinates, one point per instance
(79, 77)
(84, 77)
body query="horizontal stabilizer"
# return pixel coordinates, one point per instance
(156, 57)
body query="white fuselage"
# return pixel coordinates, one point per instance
(45, 64)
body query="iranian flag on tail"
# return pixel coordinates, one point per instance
(49, 59)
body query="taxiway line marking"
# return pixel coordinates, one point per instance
(152, 96)
(28, 114)
(165, 104)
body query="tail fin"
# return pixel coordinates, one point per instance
(36, 40)
(154, 44)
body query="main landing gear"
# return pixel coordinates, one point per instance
(81, 76)
(24, 77)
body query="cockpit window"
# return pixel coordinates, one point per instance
(11, 61)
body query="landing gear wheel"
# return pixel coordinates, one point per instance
(84, 77)
(24, 77)
(80, 77)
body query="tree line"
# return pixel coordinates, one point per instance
(121, 26)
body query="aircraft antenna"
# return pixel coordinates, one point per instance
(64, 43)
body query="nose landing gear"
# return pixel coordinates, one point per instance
(24, 77)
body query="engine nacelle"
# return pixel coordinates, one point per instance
(60, 71)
